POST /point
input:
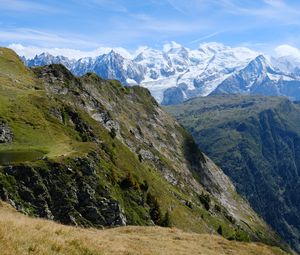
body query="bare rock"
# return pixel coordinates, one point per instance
(6, 134)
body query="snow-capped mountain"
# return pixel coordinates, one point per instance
(177, 73)
(47, 59)
(114, 66)
(111, 66)
(261, 77)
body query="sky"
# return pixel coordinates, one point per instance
(87, 28)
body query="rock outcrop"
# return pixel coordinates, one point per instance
(6, 135)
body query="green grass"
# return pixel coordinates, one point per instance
(256, 141)
(61, 129)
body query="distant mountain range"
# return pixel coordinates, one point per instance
(178, 74)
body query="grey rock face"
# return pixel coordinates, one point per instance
(6, 135)
(47, 59)
(105, 119)
(64, 194)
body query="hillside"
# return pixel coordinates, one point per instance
(89, 152)
(256, 140)
(20, 234)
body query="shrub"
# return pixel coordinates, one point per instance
(205, 200)
(166, 222)
(220, 230)
(155, 212)
(189, 204)
(218, 208)
(144, 186)
(242, 236)
(129, 182)
(113, 133)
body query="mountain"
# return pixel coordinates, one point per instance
(260, 78)
(22, 234)
(89, 152)
(110, 66)
(177, 73)
(256, 140)
(47, 59)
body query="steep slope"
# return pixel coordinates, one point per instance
(257, 141)
(22, 235)
(90, 152)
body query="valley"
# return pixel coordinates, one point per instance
(256, 141)
(110, 156)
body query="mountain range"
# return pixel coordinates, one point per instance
(178, 73)
(90, 152)
(256, 140)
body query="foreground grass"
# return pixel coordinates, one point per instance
(20, 234)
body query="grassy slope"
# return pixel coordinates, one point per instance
(20, 234)
(25, 104)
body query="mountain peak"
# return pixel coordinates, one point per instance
(194, 72)
(261, 58)
(171, 46)
(262, 62)
(212, 47)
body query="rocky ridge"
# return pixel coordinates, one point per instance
(178, 74)
(105, 155)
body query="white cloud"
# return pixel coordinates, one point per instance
(42, 38)
(275, 3)
(28, 6)
(287, 50)
(205, 37)
(139, 50)
(31, 51)
(168, 46)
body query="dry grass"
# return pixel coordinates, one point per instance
(20, 234)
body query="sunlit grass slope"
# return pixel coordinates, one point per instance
(25, 106)
(65, 159)
(20, 235)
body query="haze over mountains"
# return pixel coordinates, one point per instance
(176, 74)
(256, 140)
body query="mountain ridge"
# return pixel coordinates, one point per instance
(89, 152)
(178, 73)
(256, 140)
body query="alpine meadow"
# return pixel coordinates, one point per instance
(155, 127)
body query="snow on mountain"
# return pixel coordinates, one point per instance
(218, 62)
(47, 59)
(261, 77)
(178, 73)
(288, 64)
(83, 66)
(114, 66)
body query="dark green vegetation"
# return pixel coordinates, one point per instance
(108, 155)
(256, 140)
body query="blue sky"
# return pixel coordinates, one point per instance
(88, 25)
